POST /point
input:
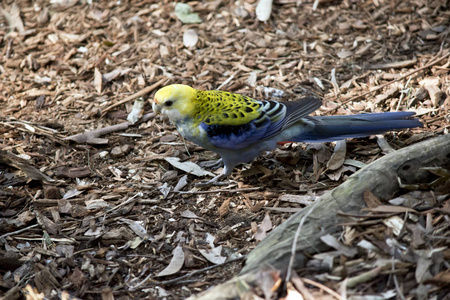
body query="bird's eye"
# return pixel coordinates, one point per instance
(168, 103)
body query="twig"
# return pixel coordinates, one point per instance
(139, 194)
(402, 93)
(430, 64)
(323, 287)
(397, 286)
(294, 242)
(228, 80)
(364, 277)
(195, 272)
(136, 95)
(300, 286)
(18, 231)
(268, 58)
(221, 190)
(93, 134)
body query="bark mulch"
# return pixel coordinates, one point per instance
(95, 207)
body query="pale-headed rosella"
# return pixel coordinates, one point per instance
(240, 128)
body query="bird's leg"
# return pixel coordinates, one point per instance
(211, 164)
(228, 168)
(214, 181)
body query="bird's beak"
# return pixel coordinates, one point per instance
(156, 107)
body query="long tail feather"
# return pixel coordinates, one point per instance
(332, 128)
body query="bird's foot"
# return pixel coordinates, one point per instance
(212, 182)
(213, 164)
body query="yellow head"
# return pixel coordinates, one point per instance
(176, 101)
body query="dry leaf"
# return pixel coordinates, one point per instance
(184, 13)
(423, 269)
(181, 183)
(264, 10)
(224, 208)
(371, 200)
(137, 227)
(214, 253)
(336, 175)
(390, 209)
(176, 263)
(338, 156)
(13, 18)
(165, 190)
(190, 38)
(344, 53)
(137, 111)
(98, 80)
(188, 167)
(302, 199)
(396, 223)
(265, 226)
(190, 215)
(343, 249)
(267, 280)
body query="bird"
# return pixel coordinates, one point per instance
(240, 128)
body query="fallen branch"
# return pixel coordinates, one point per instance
(379, 177)
(93, 136)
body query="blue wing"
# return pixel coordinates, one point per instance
(274, 117)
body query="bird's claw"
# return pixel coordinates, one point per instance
(211, 183)
(211, 164)
(214, 181)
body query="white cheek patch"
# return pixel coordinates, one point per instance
(173, 114)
